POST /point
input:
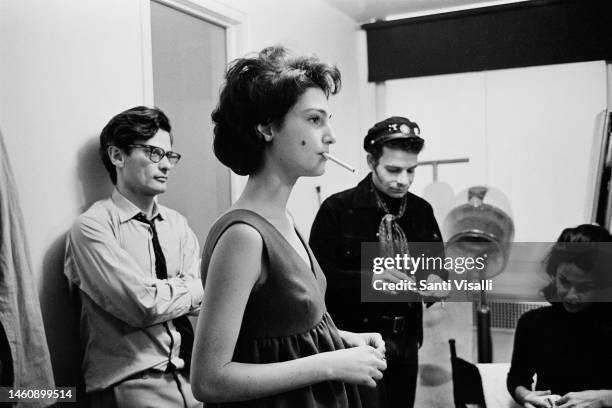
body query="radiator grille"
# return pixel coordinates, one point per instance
(505, 315)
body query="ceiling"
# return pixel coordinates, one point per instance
(363, 11)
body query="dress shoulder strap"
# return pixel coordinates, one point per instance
(238, 216)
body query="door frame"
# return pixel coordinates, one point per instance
(237, 29)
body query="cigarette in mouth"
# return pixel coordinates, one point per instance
(338, 162)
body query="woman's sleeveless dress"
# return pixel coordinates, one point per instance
(285, 318)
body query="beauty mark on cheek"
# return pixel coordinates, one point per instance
(303, 143)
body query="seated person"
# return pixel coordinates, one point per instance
(568, 345)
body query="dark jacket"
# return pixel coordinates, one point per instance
(344, 221)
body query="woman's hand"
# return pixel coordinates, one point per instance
(537, 399)
(363, 339)
(362, 365)
(586, 399)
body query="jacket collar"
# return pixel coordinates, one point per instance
(364, 195)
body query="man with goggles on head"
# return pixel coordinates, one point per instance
(380, 209)
(136, 265)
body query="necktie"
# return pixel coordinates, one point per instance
(182, 323)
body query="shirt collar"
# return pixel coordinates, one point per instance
(128, 210)
(365, 197)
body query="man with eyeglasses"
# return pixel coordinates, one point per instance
(136, 265)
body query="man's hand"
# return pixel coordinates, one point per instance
(586, 399)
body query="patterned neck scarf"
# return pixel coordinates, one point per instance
(390, 235)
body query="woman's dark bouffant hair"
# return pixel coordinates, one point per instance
(260, 90)
(583, 247)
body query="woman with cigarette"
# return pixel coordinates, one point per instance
(566, 347)
(264, 337)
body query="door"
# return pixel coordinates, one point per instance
(189, 58)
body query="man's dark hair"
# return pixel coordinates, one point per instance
(410, 145)
(129, 127)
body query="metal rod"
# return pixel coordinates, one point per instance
(485, 346)
(444, 161)
(435, 163)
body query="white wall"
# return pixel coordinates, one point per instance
(528, 132)
(540, 127)
(315, 27)
(69, 65)
(66, 69)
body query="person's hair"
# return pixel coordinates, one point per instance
(410, 145)
(578, 246)
(260, 90)
(128, 127)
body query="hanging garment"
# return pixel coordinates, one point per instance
(20, 313)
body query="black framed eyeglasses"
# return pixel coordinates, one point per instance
(157, 153)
